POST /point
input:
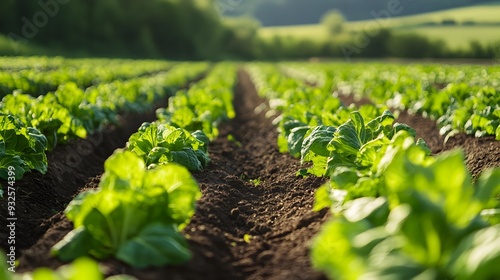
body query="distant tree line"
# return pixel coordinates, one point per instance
(384, 44)
(169, 28)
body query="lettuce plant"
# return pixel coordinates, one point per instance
(160, 144)
(204, 105)
(21, 147)
(81, 269)
(135, 215)
(429, 225)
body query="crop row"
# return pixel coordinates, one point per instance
(464, 99)
(36, 82)
(398, 212)
(147, 195)
(43, 63)
(31, 62)
(31, 126)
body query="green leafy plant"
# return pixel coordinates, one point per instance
(21, 147)
(477, 114)
(135, 215)
(364, 176)
(429, 224)
(399, 213)
(255, 182)
(44, 114)
(204, 105)
(160, 144)
(81, 269)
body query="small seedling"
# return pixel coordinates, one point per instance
(255, 182)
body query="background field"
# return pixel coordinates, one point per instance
(255, 30)
(476, 23)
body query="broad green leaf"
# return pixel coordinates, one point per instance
(175, 140)
(319, 165)
(182, 189)
(158, 155)
(448, 176)
(295, 140)
(383, 123)
(332, 250)
(202, 157)
(347, 141)
(79, 205)
(145, 139)
(370, 154)
(396, 267)
(188, 158)
(402, 127)
(282, 143)
(477, 256)
(16, 162)
(118, 170)
(375, 210)
(77, 243)
(81, 269)
(156, 245)
(350, 136)
(488, 188)
(100, 224)
(322, 198)
(289, 124)
(22, 147)
(317, 141)
(200, 136)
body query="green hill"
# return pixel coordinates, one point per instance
(296, 12)
(479, 15)
(456, 26)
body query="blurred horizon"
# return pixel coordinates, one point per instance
(258, 29)
(299, 12)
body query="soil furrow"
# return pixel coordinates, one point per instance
(254, 220)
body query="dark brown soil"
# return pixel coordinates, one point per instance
(276, 212)
(480, 153)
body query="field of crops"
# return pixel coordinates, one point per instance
(133, 169)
